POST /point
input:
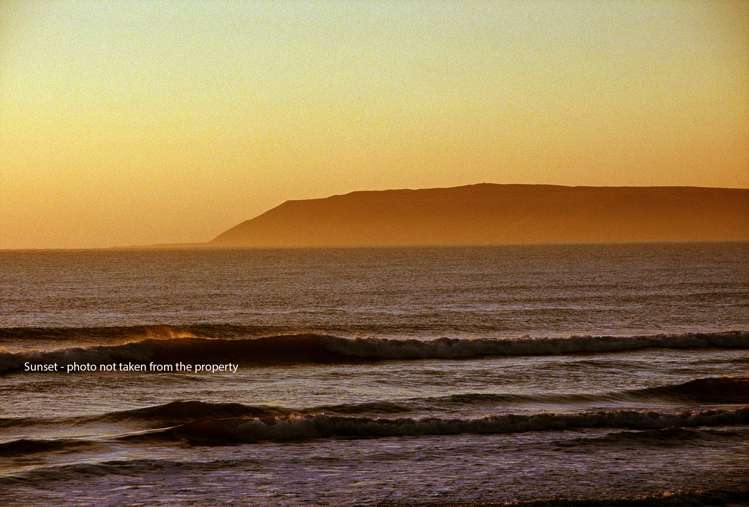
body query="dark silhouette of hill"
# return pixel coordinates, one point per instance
(489, 214)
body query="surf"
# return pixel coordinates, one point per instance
(320, 348)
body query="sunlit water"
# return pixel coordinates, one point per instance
(376, 375)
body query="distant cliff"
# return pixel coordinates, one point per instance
(488, 214)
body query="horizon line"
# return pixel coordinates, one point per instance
(209, 243)
(211, 246)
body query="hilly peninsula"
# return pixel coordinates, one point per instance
(492, 214)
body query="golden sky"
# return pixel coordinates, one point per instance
(169, 121)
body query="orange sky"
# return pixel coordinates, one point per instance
(149, 122)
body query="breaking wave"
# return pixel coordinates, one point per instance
(309, 427)
(111, 332)
(315, 348)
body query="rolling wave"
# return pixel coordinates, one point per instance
(224, 431)
(313, 348)
(713, 390)
(705, 390)
(24, 446)
(671, 436)
(205, 423)
(174, 412)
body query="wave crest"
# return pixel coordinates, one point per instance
(310, 427)
(313, 348)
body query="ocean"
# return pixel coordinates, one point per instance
(375, 376)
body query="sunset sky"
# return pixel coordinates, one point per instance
(155, 122)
